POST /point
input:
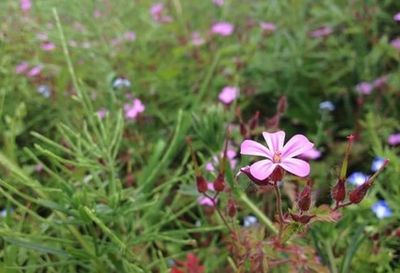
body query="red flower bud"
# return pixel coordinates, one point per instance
(338, 191)
(304, 219)
(219, 183)
(304, 201)
(277, 174)
(201, 183)
(231, 208)
(358, 194)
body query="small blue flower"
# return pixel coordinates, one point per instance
(377, 163)
(327, 106)
(381, 209)
(357, 178)
(121, 83)
(44, 90)
(249, 220)
(4, 213)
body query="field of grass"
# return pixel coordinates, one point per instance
(129, 131)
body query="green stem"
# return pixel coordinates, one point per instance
(279, 207)
(331, 258)
(260, 215)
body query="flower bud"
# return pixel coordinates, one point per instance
(338, 191)
(282, 105)
(243, 130)
(232, 208)
(201, 183)
(277, 174)
(254, 120)
(219, 183)
(358, 194)
(304, 201)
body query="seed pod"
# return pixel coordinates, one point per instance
(338, 191)
(219, 183)
(304, 201)
(232, 208)
(304, 219)
(282, 105)
(358, 194)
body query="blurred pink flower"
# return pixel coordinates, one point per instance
(228, 94)
(395, 43)
(35, 71)
(48, 46)
(394, 139)
(101, 113)
(396, 17)
(197, 39)
(321, 32)
(380, 82)
(129, 36)
(96, 13)
(364, 88)
(157, 13)
(218, 2)
(231, 156)
(21, 68)
(268, 27)
(311, 154)
(206, 201)
(25, 5)
(277, 154)
(222, 28)
(133, 109)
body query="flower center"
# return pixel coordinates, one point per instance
(277, 157)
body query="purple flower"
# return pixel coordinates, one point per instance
(321, 32)
(101, 113)
(222, 28)
(21, 68)
(364, 88)
(206, 201)
(395, 43)
(231, 156)
(311, 154)
(380, 82)
(129, 36)
(132, 110)
(396, 17)
(394, 139)
(157, 13)
(35, 71)
(218, 3)
(277, 155)
(25, 5)
(357, 178)
(228, 94)
(48, 46)
(268, 27)
(381, 209)
(197, 39)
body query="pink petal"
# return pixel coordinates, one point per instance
(250, 147)
(262, 169)
(296, 166)
(297, 145)
(275, 140)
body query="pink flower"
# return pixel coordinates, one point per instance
(101, 113)
(21, 68)
(97, 13)
(197, 40)
(157, 12)
(25, 5)
(394, 139)
(218, 3)
(395, 43)
(48, 46)
(364, 88)
(311, 154)
(277, 155)
(380, 82)
(231, 156)
(222, 28)
(35, 71)
(130, 36)
(268, 27)
(206, 201)
(228, 94)
(396, 17)
(321, 32)
(133, 109)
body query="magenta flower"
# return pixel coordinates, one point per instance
(218, 3)
(197, 39)
(101, 113)
(157, 13)
(277, 155)
(48, 46)
(228, 94)
(222, 29)
(396, 17)
(268, 27)
(394, 139)
(231, 156)
(21, 68)
(132, 110)
(35, 71)
(395, 43)
(364, 88)
(321, 32)
(25, 5)
(205, 200)
(380, 82)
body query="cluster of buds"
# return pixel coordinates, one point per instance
(356, 195)
(304, 204)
